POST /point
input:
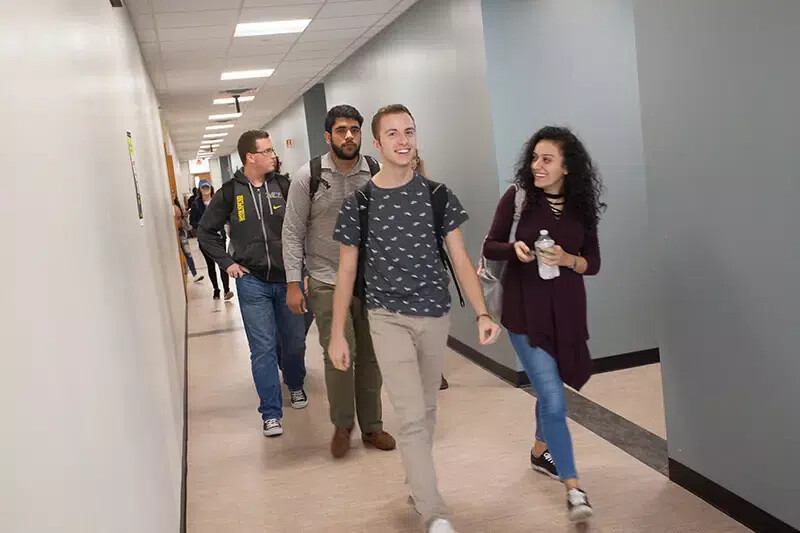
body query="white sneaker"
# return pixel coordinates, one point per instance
(440, 525)
(273, 428)
(198, 278)
(578, 506)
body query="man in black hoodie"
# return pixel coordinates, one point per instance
(254, 202)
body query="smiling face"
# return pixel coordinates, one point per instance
(397, 139)
(547, 167)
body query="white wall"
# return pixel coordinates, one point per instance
(589, 83)
(91, 376)
(216, 173)
(721, 125)
(291, 124)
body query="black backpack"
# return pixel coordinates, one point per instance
(438, 194)
(316, 173)
(227, 190)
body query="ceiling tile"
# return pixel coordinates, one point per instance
(343, 23)
(216, 17)
(200, 46)
(329, 53)
(196, 62)
(254, 62)
(143, 22)
(202, 32)
(146, 36)
(137, 7)
(265, 14)
(363, 7)
(403, 6)
(265, 3)
(168, 6)
(330, 35)
(339, 44)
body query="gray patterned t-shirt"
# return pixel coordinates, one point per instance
(404, 272)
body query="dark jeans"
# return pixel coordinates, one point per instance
(212, 273)
(269, 323)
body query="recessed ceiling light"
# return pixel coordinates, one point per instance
(242, 99)
(224, 116)
(247, 74)
(220, 127)
(213, 135)
(275, 27)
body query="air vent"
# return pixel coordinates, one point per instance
(116, 3)
(238, 92)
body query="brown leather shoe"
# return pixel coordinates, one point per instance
(379, 439)
(340, 442)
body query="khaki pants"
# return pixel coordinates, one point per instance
(410, 351)
(359, 385)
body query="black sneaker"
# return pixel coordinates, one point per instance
(273, 428)
(299, 398)
(544, 464)
(578, 506)
(216, 294)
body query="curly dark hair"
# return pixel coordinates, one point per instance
(582, 185)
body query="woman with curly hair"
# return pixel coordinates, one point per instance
(546, 319)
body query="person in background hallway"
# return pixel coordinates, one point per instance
(198, 208)
(187, 254)
(308, 237)
(419, 168)
(190, 200)
(546, 319)
(254, 202)
(407, 297)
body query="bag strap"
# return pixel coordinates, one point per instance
(439, 198)
(227, 195)
(363, 197)
(519, 204)
(374, 166)
(316, 176)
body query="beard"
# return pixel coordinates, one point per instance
(342, 155)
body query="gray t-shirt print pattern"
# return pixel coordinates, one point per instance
(404, 272)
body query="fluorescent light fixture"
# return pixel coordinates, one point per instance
(242, 99)
(213, 135)
(215, 141)
(275, 27)
(224, 116)
(247, 74)
(220, 127)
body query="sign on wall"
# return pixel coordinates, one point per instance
(135, 179)
(289, 143)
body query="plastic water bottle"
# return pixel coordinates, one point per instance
(543, 242)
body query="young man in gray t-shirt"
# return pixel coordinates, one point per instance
(407, 296)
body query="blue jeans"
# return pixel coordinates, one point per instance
(269, 323)
(186, 253)
(551, 404)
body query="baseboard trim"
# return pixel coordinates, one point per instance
(503, 372)
(519, 378)
(185, 459)
(726, 501)
(626, 360)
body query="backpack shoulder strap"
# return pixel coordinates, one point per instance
(227, 195)
(283, 185)
(439, 199)
(363, 196)
(316, 175)
(374, 166)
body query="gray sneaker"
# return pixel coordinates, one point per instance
(273, 428)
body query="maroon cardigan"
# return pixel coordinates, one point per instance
(552, 313)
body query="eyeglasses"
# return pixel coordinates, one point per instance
(268, 151)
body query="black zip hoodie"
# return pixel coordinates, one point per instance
(256, 219)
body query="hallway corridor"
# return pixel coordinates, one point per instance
(241, 482)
